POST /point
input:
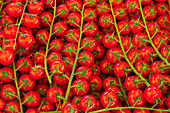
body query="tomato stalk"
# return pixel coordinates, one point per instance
(16, 85)
(150, 38)
(47, 44)
(76, 58)
(120, 108)
(124, 53)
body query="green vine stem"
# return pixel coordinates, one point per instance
(20, 21)
(76, 58)
(123, 91)
(120, 108)
(16, 85)
(150, 38)
(124, 53)
(47, 45)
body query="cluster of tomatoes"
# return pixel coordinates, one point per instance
(107, 56)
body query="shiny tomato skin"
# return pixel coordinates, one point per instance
(74, 108)
(71, 4)
(31, 20)
(59, 65)
(60, 28)
(10, 32)
(25, 40)
(89, 58)
(77, 18)
(14, 10)
(31, 110)
(120, 11)
(164, 52)
(2, 104)
(8, 88)
(70, 38)
(45, 15)
(36, 72)
(151, 93)
(6, 75)
(136, 28)
(155, 68)
(109, 41)
(84, 103)
(69, 60)
(95, 83)
(113, 53)
(129, 83)
(9, 19)
(106, 67)
(157, 40)
(85, 73)
(92, 46)
(143, 66)
(89, 14)
(60, 80)
(147, 10)
(145, 53)
(84, 84)
(47, 105)
(24, 69)
(35, 7)
(121, 24)
(95, 70)
(104, 99)
(132, 6)
(106, 20)
(141, 111)
(133, 94)
(62, 8)
(115, 3)
(109, 81)
(42, 36)
(90, 3)
(99, 8)
(113, 89)
(16, 107)
(6, 57)
(90, 31)
(30, 82)
(70, 49)
(52, 92)
(119, 68)
(33, 95)
(99, 52)
(56, 45)
(53, 56)
(132, 53)
(10, 45)
(155, 80)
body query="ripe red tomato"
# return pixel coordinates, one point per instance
(90, 29)
(14, 9)
(86, 58)
(102, 8)
(120, 11)
(84, 72)
(31, 20)
(46, 18)
(35, 7)
(83, 87)
(25, 40)
(56, 45)
(6, 57)
(47, 105)
(73, 18)
(6, 75)
(120, 69)
(106, 67)
(136, 97)
(71, 35)
(54, 93)
(108, 98)
(58, 67)
(109, 81)
(106, 20)
(71, 107)
(24, 64)
(31, 110)
(33, 98)
(59, 28)
(26, 82)
(62, 10)
(42, 37)
(136, 25)
(10, 31)
(89, 14)
(60, 79)
(132, 82)
(2, 104)
(95, 83)
(89, 44)
(151, 93)
(16, 107)
(8, 92)
(72, 4)
(109, 40)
